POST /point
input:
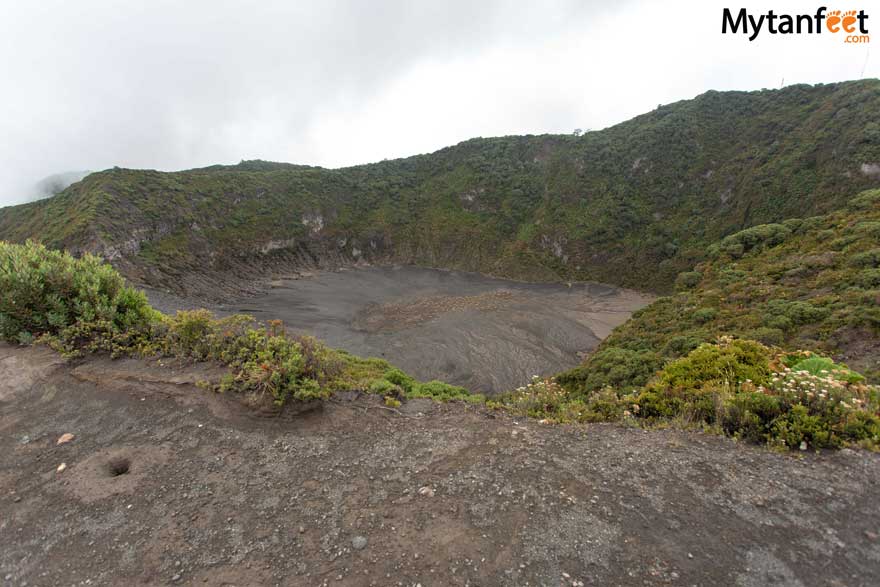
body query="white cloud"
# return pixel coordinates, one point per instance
(173, 85)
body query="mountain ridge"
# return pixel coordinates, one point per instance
(633, 205)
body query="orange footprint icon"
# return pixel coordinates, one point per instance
(849, 18)
(833, 20)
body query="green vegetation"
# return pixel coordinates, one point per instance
(83, 305)
(78, 301)
(808, 286)
(399, 384)
(736, 387)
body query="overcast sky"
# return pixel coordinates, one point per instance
(173, 84)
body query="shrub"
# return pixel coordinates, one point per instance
(733, 249)
(194, 333)
(869, 228)
(74, 302)
(842, 243)
(605, 405)
(756, 237)
(799, 426)
(865, 200)
(806, 312)
(811, 223)
(820, 366)
(793, 224)
(767, 335)
(681, 345)
(439, 391)
(542, 398)
(749, 415)
(703, 315)
(655, 404)
(688, 280)
(797, 312)
(729, 275)
(730, 361)
(384, 387)
(752, 393)
(777, 322)
(475, 398)
(868, 259)
(398, 377)
(868, 278)
(616, 367)
(827, 234)
(320, 362)
(83, 304)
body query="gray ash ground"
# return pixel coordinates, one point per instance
(432, 495)
(486, 334)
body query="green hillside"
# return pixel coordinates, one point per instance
(809, 283)
(632, 205)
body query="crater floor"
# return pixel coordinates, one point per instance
(486, 334)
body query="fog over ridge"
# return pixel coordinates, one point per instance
(169, 85)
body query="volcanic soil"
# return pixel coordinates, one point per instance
(167, 484)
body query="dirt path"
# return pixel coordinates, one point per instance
(167, 484)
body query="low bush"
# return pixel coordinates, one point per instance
(395, 382)
(612, 367)
(751, 392)
(869, 228)
(756, 237)
(867, 259)
(703, 315)
(438, 390)
(738, 387)
(80, 305)
(865, 201)
(541, 398)
(821, 366)
(729, 276)
(262, 359)
(796, 312)
(778, 322)
(681, 345)
(76, 301)
(401, 379)
(748, 415)
(868, 278)
(688, 280)
(384, 387)
(711, 364)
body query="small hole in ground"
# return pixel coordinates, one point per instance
(118, 466)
